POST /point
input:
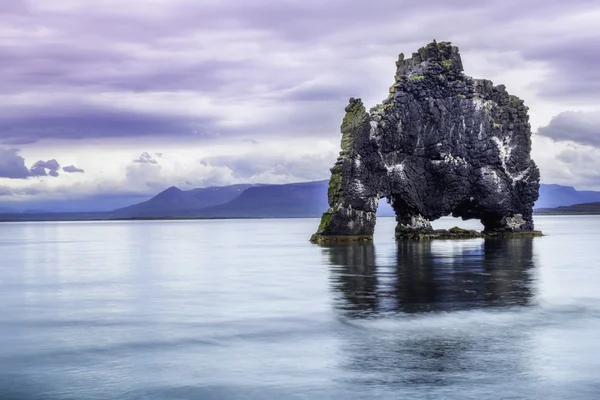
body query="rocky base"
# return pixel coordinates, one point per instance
(444, 234)
(322, 239)
(458, 233)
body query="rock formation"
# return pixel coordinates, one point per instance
(441, 143)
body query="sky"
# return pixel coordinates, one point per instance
(113, 98)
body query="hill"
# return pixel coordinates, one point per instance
(294, 200)
(290, 200)
(174, 201)
(585, 208)
(556, 196)
(308, 199)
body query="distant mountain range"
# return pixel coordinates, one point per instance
(93, 203)
(556, 196)
(294, 200)
(584, 208)
(175, 201)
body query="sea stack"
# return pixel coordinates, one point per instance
(441, 143)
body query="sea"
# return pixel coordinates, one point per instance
(249, 309)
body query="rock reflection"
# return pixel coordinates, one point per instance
(400, 341)
(432, 276)
(354, 276)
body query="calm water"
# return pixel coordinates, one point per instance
(251, 310)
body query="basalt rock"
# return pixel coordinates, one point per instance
(441, 143)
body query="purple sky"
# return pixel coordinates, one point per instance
(118, 97)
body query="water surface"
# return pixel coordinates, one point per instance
(248, 309)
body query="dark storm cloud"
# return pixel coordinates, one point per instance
(40, 167)
(52, 164)
(574, 70)
(304, 21)
(18, 140)
(81, 121)
(12, 165)
(108, 70)
(71, 169)
(59, 60)
(37, 171)
(580, 127)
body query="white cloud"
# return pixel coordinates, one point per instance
(567, 163)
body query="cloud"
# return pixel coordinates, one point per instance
(37, 171)
(78, 119)
(145, 158)
(234, 73)
(18, 141)
(263, 165)
(580, 127)
(12, 165)
(150, 175)
(71, 169)
(40, 167)
(573, 67)
(567, 163)
(195, 71)
(147, 174)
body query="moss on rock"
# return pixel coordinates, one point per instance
(325, 221)
(355, 118)
(323, 239)
(459, 233)
(335, 190)
(446, 64)
(416, 78)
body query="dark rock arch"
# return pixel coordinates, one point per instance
(441, 143)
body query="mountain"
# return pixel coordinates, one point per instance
(65, 204)
(308, 199)
(293, 200)
(174, 201)
(585, 208)
(290, 200)
(55, 216)
(556, 196)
